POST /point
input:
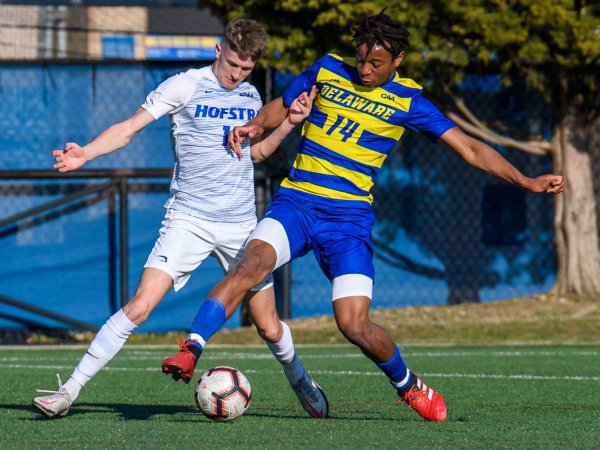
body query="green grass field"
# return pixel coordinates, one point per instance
(498, 397)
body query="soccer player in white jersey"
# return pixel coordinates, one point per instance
(211, 210)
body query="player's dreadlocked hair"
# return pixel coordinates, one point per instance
(382, 30)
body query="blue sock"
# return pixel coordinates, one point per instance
(396, 370)
(209, 319)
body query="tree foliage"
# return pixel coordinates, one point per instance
(301, 30)
(547, 42)
(554, 45)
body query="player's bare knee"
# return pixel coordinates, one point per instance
(253, 267)
(269, 333)
(137, 310)
(354, 331)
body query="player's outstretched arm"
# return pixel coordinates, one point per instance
(265, 145)
(269, 117)
(482, 156)
(73, 156)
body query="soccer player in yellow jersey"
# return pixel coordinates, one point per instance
(361, 110)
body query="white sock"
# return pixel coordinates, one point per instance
(104, 347)
(285, 353)
(196, 337)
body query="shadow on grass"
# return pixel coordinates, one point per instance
(332, 416)
(125, 411)
(190, 413)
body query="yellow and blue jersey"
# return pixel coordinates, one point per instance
(352, 128)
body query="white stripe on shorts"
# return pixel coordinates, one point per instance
(272, 232)
(352, 285)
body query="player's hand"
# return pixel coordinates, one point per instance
(301, 106)
(70, 158)
(550, 184)
(240, 134)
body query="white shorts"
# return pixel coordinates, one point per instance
(185, 241)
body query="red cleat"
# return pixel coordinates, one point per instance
(424, 400)
(182, 365)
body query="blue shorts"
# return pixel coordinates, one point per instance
(338, 232)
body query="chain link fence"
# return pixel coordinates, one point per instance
(444, 231)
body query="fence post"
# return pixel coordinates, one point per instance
(124, 239)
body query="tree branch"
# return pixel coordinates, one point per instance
(468, 122)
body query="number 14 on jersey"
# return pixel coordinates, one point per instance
(343, 126)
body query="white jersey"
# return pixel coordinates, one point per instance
(209, 180)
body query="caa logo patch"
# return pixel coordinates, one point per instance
(246, 94)
(162, 258)
(388, 96)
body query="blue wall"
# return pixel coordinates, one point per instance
(430, 235)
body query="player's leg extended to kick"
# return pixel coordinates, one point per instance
(278, 336)
(352, 318)
(258, 262)
(153, 286)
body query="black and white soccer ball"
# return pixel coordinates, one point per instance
(223, 393)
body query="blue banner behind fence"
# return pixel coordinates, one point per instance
(444, 230)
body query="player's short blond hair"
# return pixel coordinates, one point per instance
(247, 38)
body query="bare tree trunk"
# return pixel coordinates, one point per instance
(575, 216)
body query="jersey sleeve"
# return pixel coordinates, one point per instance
(302, 83)
(170, 96)
(256, 95)
(423, 117)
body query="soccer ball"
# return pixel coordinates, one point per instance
(223, 393)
